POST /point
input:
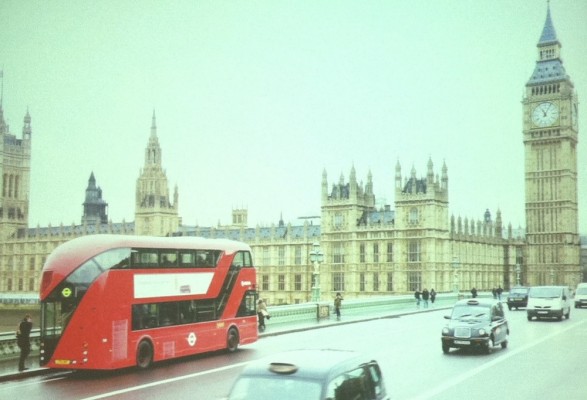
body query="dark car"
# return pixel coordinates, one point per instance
(311, 375)
(476, 323)
(518, 297)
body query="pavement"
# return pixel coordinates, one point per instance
(9, 367)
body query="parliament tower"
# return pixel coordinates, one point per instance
(550, 109)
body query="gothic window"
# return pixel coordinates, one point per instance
(362, 282)
(298, 255)
(389, 252)
(413, 218)
(266, 258)
(281, 282)
(264, 282)
(281, 254)
(362, 253)
(375, 282)
(414, 251)
(338, 253)
(338, 220)
(338, 281)
(389, 282)
(298, 282)
(414, 280)
(31, 284)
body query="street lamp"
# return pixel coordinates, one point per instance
(518, 270)
(455, 265)
(316, 256)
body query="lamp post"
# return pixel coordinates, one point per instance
(455, 265)
(518, 270)
(316, 256)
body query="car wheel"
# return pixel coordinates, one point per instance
(445, 348)
(529, 317)
(232, 340)
(489, 346)
(568, 315)
(504, 344)
(560, 317)
(509, 307)
(144, 355)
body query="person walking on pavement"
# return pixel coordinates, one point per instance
(425, 297)
(499, 292)
(262, 313)
(337, 303)
(23, 340)
(432, 296)
(417, 296)
(474, 292)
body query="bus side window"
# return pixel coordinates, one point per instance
(187, 259)
(168, 259)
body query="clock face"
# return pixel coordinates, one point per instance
(545, 114)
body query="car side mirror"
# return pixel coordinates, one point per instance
(564, 297)
(496, 318)
(447, 317)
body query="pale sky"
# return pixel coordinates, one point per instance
(254, 99)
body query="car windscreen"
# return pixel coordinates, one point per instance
(519, 291)
(274, 387)
(545, 292)
(582, 290)
(471, 312)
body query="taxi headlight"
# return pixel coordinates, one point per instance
(482, 332)
(445, 331)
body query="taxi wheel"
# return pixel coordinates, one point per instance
(504, 344)
(232, 340)
(445, 348)
(144, 355)
(489, 346)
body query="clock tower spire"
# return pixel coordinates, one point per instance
(550, 145)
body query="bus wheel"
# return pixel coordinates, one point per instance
(232, 340)
(144, 355)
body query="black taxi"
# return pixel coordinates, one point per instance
(475, 323)
(311, 375)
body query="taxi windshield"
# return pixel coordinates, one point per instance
(468, 311)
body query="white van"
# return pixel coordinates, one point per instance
(549, 302)
(581, 295)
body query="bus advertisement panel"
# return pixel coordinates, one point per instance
(113, 301)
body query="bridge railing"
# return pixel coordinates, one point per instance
(288, 314)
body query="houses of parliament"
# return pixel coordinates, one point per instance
(368, 251)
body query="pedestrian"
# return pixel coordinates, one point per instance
(425, 297)
(499, 292)
(337, 303)
(262, 313)
(417, 296)
(432, 296)
(494, 293)
(474, 292)
(23, 340)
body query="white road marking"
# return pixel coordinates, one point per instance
(460, 378)
(163, 382)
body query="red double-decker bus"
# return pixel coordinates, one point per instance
(112, 301)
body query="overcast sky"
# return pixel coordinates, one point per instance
(254, 99)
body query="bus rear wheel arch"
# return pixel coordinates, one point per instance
(232, 340)
(144, 354)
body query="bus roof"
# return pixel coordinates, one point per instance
(73, 253)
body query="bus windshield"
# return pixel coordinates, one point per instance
(62, 302)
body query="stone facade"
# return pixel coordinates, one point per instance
(369, 250)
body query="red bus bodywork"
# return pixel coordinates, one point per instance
(98, 327)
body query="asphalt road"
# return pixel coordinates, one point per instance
(544, 359)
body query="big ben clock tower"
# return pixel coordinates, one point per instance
(550, 143)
